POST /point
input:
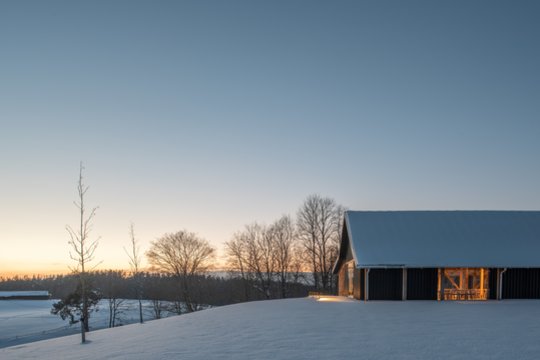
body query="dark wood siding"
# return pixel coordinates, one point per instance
(385, 284)
(362, 284)
(521, 284)
(492, 284)
(422, 284)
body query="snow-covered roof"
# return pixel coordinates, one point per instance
(37, 293)
(444, 238)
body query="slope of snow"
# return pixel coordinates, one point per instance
(310, 329)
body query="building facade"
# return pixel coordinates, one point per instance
(440, 255)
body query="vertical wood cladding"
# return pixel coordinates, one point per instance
(521, 284)
(492, 281)
(385, 284)
(362, 284)
(422, 284)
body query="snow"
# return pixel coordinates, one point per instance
(23, 321)
(445, 238)
(8, 294)
(311, 329)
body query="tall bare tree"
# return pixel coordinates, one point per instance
(83, 248)
(265, 256)
(261, 256)
(282, 233)
(252, 249)
(135, 265)
(237, 262)
(183, 255)
(319, 222)
(307, 231)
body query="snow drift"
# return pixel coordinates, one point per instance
(311, 329)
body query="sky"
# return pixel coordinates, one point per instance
(209, 115)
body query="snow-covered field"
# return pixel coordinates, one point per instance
(23, 321)
(29, 320)
(310, 329)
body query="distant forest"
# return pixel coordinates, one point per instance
(214, 289)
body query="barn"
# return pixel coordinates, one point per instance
(439, 255)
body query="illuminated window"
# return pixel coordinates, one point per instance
(464, 284)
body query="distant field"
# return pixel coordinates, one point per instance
(23, 321)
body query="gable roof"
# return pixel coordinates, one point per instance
(443, 238)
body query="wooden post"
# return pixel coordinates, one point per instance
(404, 285)
(500, 274)
(350, 273)
(482, 284)
(439, 285)
(366, 284)
(499, 284)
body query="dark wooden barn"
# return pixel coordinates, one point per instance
(440, 255)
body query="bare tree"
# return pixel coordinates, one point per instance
(135, 265)
(116, 309)
(236, 259)
(319, 223)
(261, 256)
(82, 248)
(288, 265)
(185, 256)
(112, 290)
(154, 288)
(265, 257)
(253, 249)
(307, 220)
(157, 308)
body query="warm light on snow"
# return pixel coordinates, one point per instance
(334, 299)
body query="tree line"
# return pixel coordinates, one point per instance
(214, 289)
(268, 258)
(286, 258)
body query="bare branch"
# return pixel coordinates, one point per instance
(183, 255)
(82, 249)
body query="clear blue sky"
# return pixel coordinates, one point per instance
(207, 115)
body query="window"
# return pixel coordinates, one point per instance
(464, 284)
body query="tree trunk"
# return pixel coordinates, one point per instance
(140, 311)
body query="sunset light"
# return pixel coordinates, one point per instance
(279, 179)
